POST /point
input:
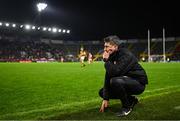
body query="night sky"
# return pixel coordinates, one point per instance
(95, 19)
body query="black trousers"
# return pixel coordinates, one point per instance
(123, 88)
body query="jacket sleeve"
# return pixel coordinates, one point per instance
(106, 87)
(119, 67)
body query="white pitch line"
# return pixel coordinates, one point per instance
(59, 106)
(177, 107)
(158, 94)
(160, 89)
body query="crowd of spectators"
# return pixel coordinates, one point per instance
(15, 51)
(37, 51)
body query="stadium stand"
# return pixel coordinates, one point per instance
(32, 49)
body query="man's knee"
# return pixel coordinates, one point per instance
(101, 92)
(116, 81)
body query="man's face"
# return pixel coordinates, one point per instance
(110, 48)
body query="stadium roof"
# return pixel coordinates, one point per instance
(92, 19)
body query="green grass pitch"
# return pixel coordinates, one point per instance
(66, 91)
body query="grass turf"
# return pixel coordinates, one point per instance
(67, 91)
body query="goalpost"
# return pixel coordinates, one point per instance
(164, 47)
(149, 50)
(157, 57)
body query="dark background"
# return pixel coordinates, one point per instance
(95, 19)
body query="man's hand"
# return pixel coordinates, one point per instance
(104, 105)
(105, 55)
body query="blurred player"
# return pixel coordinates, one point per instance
(82, 56)
(62, 59)
(89, 58)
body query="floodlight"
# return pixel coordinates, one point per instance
(49, 29)
(68, 31)
(59, 30)
(39, 28)
(33, 27)
(44, 29)
(64, 30)
(13, 25)
(0, 24)
(54, 30)
(27, 27)
(7, 24)
(41, 6)
(21, 26)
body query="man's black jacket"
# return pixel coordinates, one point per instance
(123, 63)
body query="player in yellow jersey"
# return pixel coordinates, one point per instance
(82, 57)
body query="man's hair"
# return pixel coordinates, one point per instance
(113, 40)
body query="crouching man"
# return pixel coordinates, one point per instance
(124, 77)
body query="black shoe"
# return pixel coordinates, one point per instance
(128, 109)
(124, 112)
